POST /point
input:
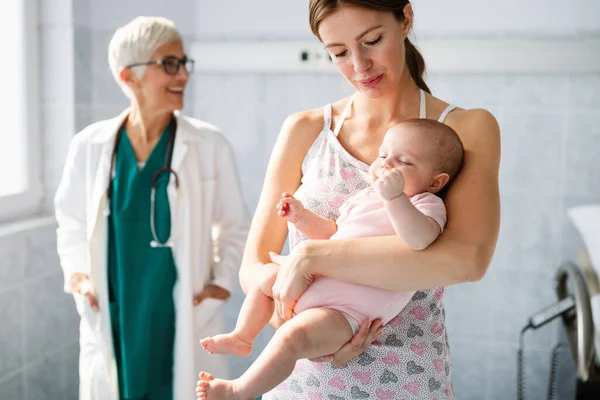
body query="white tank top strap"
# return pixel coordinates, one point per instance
(345, 113)
(423, 106)
(327, 117)
(445, 113)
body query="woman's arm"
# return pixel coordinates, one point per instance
(416, 229)
(461, 254)
(284, 172)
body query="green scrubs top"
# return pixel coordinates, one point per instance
(141, 278)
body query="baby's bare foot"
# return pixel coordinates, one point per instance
(229, 343)
(215, 389)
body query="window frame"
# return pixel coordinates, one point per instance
(29, 202)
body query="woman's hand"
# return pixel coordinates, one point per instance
(82, 285)
(368, 332)
(211, 292)
(266, 280)
(291, 282)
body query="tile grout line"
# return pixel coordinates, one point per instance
(23, 343)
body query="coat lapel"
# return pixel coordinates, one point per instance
(183, 137)
(103, 144)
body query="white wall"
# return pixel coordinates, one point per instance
(276, 19)
(107, 15)
(257, 19)
(506, 17)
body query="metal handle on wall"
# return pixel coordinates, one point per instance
(581, 336)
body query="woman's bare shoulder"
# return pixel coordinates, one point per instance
(302, 128)
(475, 125)
(303, 122)
(309, 123)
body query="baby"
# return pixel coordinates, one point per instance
(417, 159)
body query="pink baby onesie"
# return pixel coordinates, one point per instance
(364, 215)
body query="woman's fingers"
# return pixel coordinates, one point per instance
(92, 300)
(284, 308)
(82, 285)
(281, 308)
(288, 310)
(363, 338)
(374, 331)
(277, 258)
(370, 334)
(327, 358)
(360, 337)
(199, 298)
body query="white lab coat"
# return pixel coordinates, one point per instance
(209, 228)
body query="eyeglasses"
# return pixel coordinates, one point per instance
(170, 64)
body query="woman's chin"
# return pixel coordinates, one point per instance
(177, 105)
(174, 107)
(373, 93)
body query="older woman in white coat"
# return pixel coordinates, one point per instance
(151, 228)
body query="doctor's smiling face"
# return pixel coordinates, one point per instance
(160, 88)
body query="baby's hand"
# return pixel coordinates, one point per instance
(390, 184)
(290, 208)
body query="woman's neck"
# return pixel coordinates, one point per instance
(146, 125)
(394, 107)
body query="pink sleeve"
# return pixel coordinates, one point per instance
(347, 206)
(432, 206)
(344, 210)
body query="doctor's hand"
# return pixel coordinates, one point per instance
(211, 292)
(290, 283)
(82, 285)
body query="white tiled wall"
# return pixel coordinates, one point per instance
(39, 331)
(276, 19)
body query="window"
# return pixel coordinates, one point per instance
(20, 184)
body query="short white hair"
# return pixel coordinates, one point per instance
(136, 41)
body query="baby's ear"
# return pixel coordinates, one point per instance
(438, 182)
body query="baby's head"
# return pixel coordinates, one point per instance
(428, 153)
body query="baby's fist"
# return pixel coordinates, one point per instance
(290, 208)
(390, 184)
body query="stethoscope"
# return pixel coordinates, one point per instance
(166, 168)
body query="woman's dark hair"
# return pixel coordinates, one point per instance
(319, 9)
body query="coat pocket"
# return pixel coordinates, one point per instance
(204, 316)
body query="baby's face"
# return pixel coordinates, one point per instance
(403, 148)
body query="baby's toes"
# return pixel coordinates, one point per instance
(202, 385)
(205, 376)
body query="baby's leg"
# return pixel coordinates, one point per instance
(255, 314)
(313, 333)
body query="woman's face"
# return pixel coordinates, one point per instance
(157, 90)
(367, 46)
